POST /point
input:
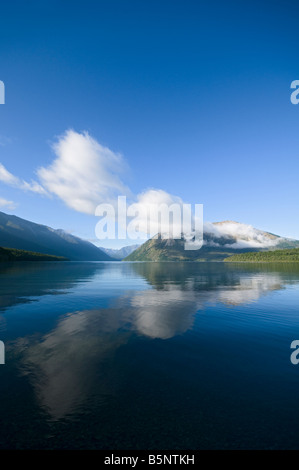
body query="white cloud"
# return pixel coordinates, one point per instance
(7, 177)
(7, 204)
(12, 180)
(33, 186)
(84, 173)
(154, 198)
(245, 236)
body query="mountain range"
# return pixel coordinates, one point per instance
(220, 240)
(19, 233)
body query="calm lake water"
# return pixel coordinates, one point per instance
(149, 356)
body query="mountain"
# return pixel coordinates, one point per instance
(120, 253)
(221, 239)
(24, 235)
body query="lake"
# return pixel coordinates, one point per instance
(149, 356)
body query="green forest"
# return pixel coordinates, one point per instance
(267, 256)
(12, 254)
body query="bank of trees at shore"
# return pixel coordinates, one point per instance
(267, 256)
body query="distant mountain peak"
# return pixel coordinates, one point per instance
(120, 253)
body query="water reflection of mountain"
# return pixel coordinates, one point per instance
(66, 365)
(20, 281)
(203, 277)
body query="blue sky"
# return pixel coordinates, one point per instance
(194, 95)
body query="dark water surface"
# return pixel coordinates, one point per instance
(149, 356)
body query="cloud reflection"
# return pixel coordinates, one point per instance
(65, 365)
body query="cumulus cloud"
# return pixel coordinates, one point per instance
(84, 173)
(12, 180)
(158, 212)
(7, 204)
(146, 218)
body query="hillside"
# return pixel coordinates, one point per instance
(173, 250)
(10, 254)
(24, 235)
(266, 257)
(221, 240)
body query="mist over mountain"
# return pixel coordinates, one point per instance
(221, 239)
(237, 235)
(19, 233)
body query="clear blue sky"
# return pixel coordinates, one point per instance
(194, 94)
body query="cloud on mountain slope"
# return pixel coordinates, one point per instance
(244, 236)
